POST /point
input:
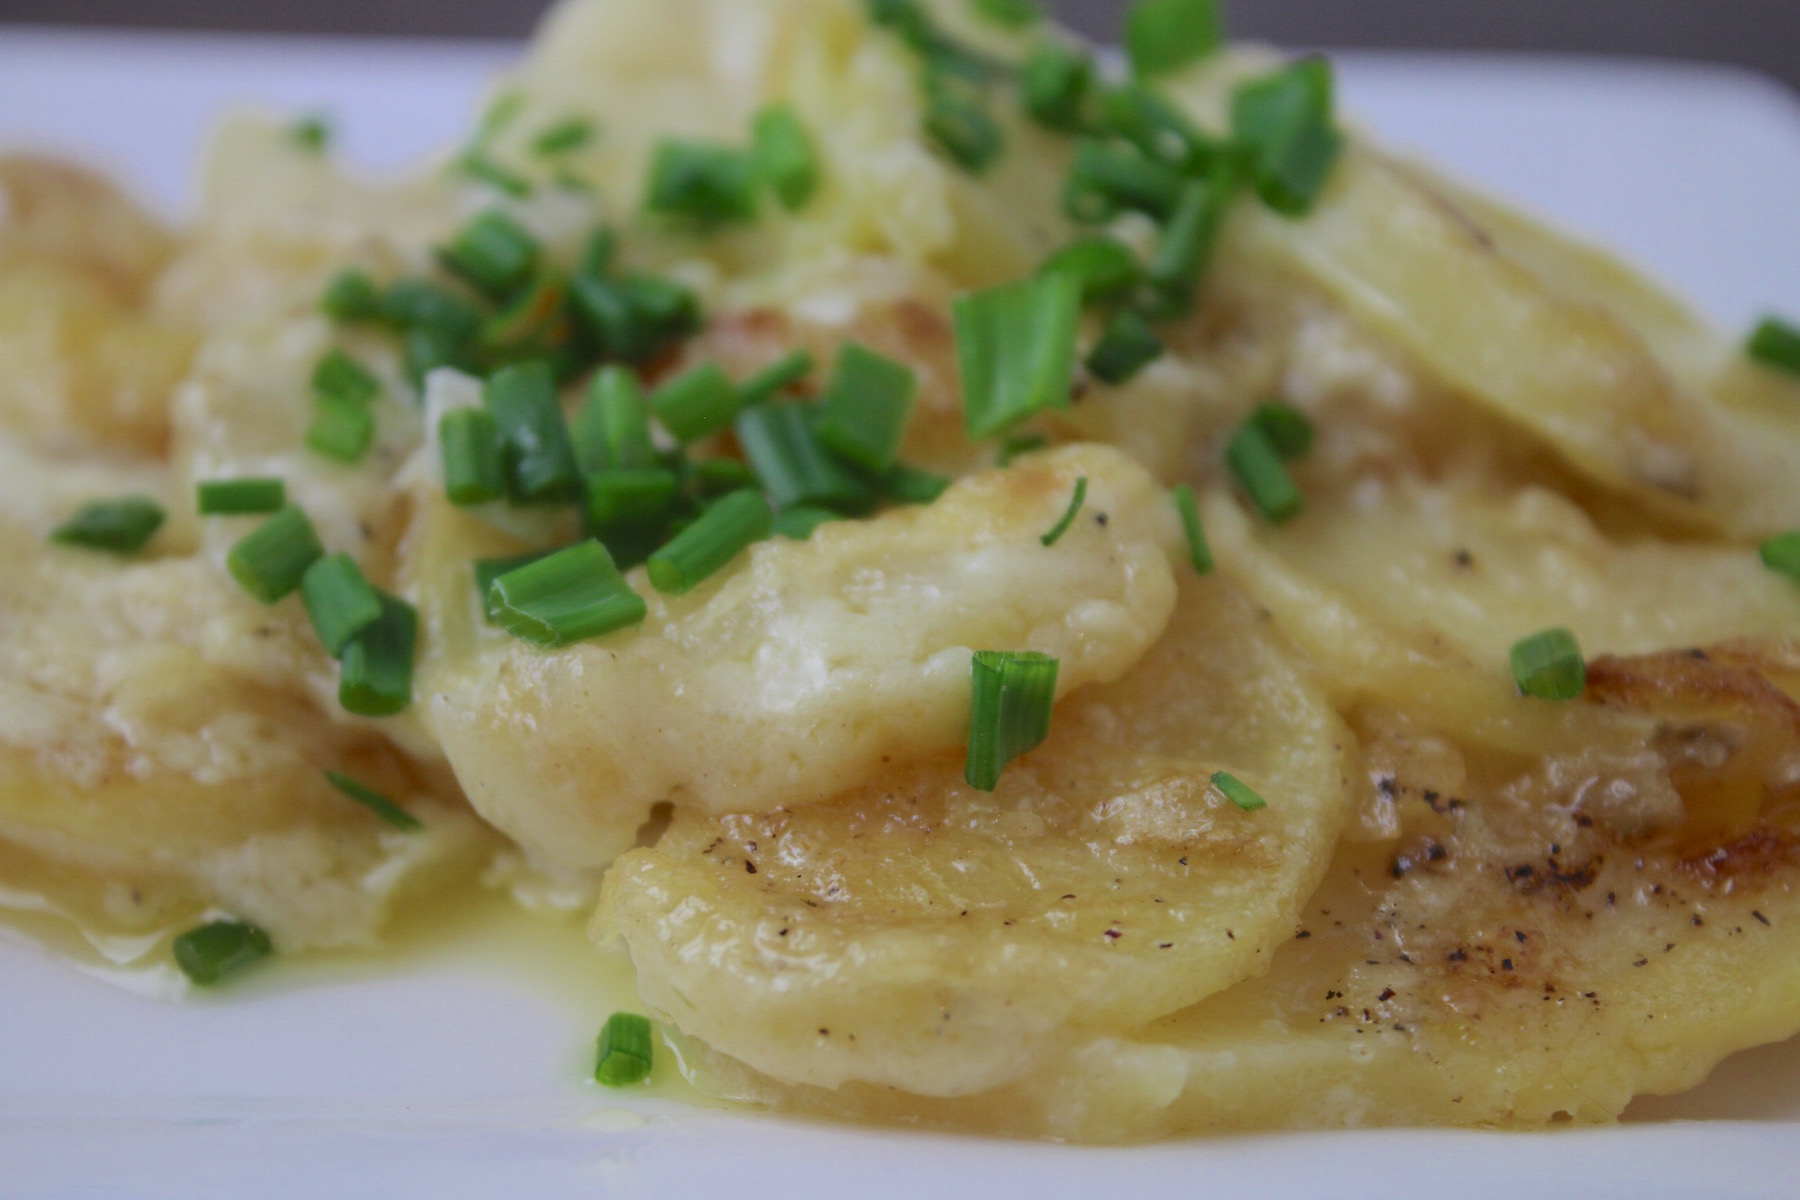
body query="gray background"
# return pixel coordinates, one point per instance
(1761, 34)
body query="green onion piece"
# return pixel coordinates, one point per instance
(238, 497)
(630, 496)
(1781, 554)
(500, 113)
(376, 803)
(1165, 35)
(540, 462)
(706, 184)
(776, 378)
(1054, 84)
(634, 319)
(571, 596)
(1126, 347)
(1285, 121)
(270, 561)
(1776, 344)
(493, 253)
(489, 569)
(1199, 549)
(1141, 116)
(1238, 792)
(1258, 468)
(376, 668)
(210, 952)
(797, 524)
(1018, 446)
(416, 304)
(116, 526)
(1107, 178)
(311, 133)
(477, 165)
(911, 485)
(867, 407)
(474, 457)
(427, 349)
(340, 377)
(341, 429)
(905, 17)
(339, 600)
(697, 403)
(559, 137)
(351, 296)
(611, 429)
(1549, 665)
(535, 324)
(1068, 518)
(1016, 348)
(720, 477)
(1013, 697)
(704, 548)
(598, 255)
(1014, 14)
(791, 463)
(964, 131)
(1288, 429)
(1186, 248)
(784, 154)
(1104, 268)
(625, 1051)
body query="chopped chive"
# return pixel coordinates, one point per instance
(212, 951)
(1776, 344)
(1013, 697)
(1141, 116)
(784, 154)
(351, 296)
(1186, 247)
(376, 668)
(1549, 665)
(474, 457)
(427, 349)
(792, 465)
(1013, 14)
(698, 403)
(341, 429)
(418, 304)
(1018, 446)
(376, 803)
(115, 526)
(1108, 178)
(1104, 268)
(626, 1054)
(1054, 83)
(706, 184)
(1288, 429)
(867, 407)
(630, 496)
(1068, 518)
(338, 376)
(238, 497)
(311, 133)
(559, 137)
(797, 524)
(1781, 554)
(634, 319)
(1016, 348)
(776, 378)
(1259, 470)
(611, 430)
(1238, 792)
(271, 560)
(1126, 347)
(489, 569)
(1199, 550)
(707, 546)
(477, 165)
(1284, 120)
(540, 462)
(571, 596)
(719, 477)
(598, 255)
(911, 485)
(1165, 35)
(492, 253)
(339, 600)
(534, 324)
(964, 131)
(500, 113)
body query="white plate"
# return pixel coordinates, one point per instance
(442, 1078)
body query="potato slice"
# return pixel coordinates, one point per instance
(807, 667)
(917, 934)
(1513, 957)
